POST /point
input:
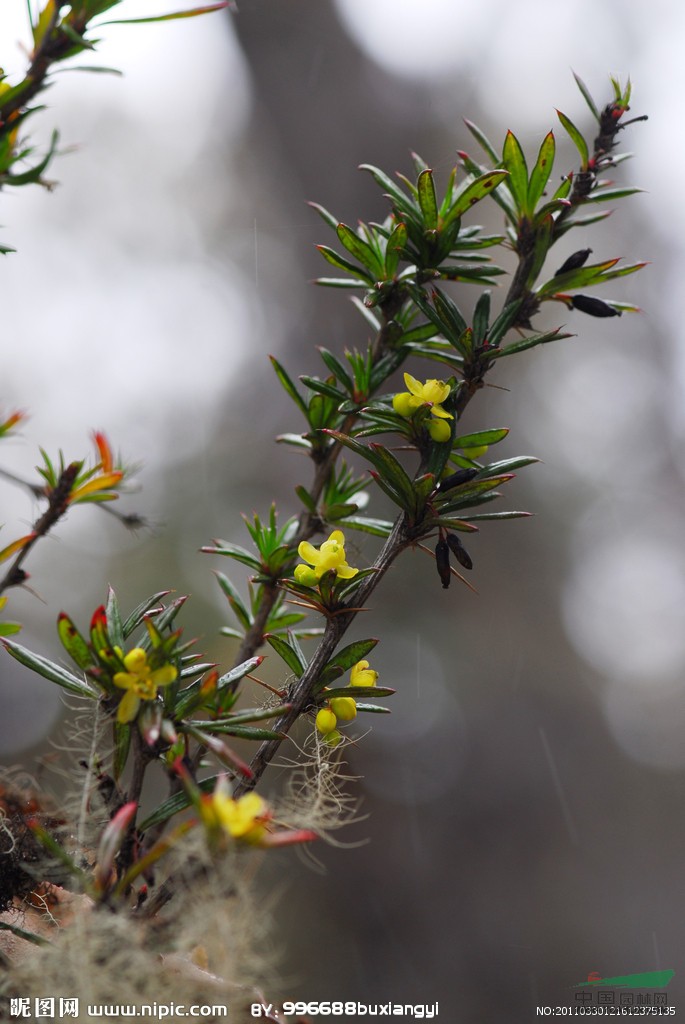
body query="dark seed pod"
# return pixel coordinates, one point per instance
(442, 560)
(574, 262)
(459, 551)
(594, 307)
(462, 476)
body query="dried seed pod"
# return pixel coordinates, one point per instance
(462, 476)
(574, 262)
(442, 560)
(459, 551)
(594, 307)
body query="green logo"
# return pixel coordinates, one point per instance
(648, 979)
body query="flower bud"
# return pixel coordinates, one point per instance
(459, 551)
(345, 708)
(594, 307)
(574, 262)
(462, 476)
(442, 560)
(326, 721)
(439, 430)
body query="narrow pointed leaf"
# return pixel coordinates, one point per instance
(427, 199)
(515, 163)
(539, 176)
(73, 643)
(137, 616)
(114, 624)
(483, 140)
(360, 249)
(586, 95)
(577, 139)
(289, 387)
(483, 186)
(49, 670)
(532, 341)
(287, 653)
(332, 257)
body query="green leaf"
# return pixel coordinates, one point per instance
(306, 498)
(530, 342)
(481, 318)
(336, 368)
(484, 185)
(296, 440)
(49, 670)
(483, 140)
(607, 194)
(73, 643)
(377, 527)
(207, 9)
(359, 691)
(235, 600)
(503, 322)
(483, 516)
(322, 387)
(332, 257)
(136, 617)
(289, 387)
(577, 139)
(325, 215)
(428, 199)
(352, 653)
(360, 249)
(287, 652)
(396, 244)
(114, 624)
(506, 466)
(341, 282)
(515, 163)
(540, 174)
(586, 95)
(481, 437)
(233, 551)
(177, 802)
(394, 193)
(393, 473)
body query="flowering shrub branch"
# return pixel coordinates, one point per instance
(158, 705)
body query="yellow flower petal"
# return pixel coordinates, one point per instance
(414, 385)
(346, 572)
(362, 675)
(438, 410)
(435, 391)
(164, 675)
(128, 707)
(308, 552)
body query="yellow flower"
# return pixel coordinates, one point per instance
(140, 681)
(245, 818)
(433, 393)
(362, 675)
(326, 721)
(331, 555)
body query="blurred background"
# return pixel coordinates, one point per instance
(525, 799)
